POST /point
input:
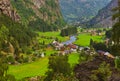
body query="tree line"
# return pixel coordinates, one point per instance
(68, 31)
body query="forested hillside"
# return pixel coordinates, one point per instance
(43, 15)
(81, 10)
(18, 19)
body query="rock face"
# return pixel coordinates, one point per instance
(6, 8)
(38, 3)
(104, 16)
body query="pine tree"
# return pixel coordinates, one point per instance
(116, 30)
(116, 26)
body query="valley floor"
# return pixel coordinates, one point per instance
(40, 66)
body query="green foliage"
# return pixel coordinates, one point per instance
(102, 73)
(68, 31)
(16, 34)
(4, 33)
(100, 46)
(108, 34)
(116, 26)
(31, 15)
(41, 25)
(51, 3)
(117, 62)
(11, 59)
(24, 12)
(83, 57)
(115, 50)
(4, 76)
(58, 64)
(91, 42)
(61, 77)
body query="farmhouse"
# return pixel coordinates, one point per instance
(100, 52)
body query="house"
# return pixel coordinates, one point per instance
(72, 47)
(81, 48)
(105, 54)
(42, 55)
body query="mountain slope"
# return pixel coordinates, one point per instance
(81, 10)
(103, 18)
(19, 17)
(36, 12)
(97, 68)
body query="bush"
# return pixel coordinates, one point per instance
(11, 59)
(117, 63)
(102, 73)
(26, 59)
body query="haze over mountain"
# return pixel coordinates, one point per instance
(81, 10)
(104, 16)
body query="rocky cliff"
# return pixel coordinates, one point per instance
(104, 16)
(6, 8)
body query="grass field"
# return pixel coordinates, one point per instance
(37, 68)
(48, 37)
(73, 59)
(84, 39)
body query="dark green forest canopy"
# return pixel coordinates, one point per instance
(16, 32)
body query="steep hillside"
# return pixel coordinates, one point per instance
(103, 18)
(99, 69)
(18, 18)
(81, 10)
(40, 14)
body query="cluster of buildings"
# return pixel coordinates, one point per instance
(69, 48)
(64, 49)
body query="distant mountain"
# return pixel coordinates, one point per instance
(81, 10)
(104, 16)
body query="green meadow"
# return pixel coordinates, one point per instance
(48, 37)
(83, 39)
(37, 68)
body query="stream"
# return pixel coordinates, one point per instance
(72, 39)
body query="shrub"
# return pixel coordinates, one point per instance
(11, 59)
(102, 73)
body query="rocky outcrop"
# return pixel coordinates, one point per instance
(104, 16)
(38, 3)
(6, 8)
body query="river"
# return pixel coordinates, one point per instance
(72, 39)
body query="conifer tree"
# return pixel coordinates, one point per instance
(116, 26)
